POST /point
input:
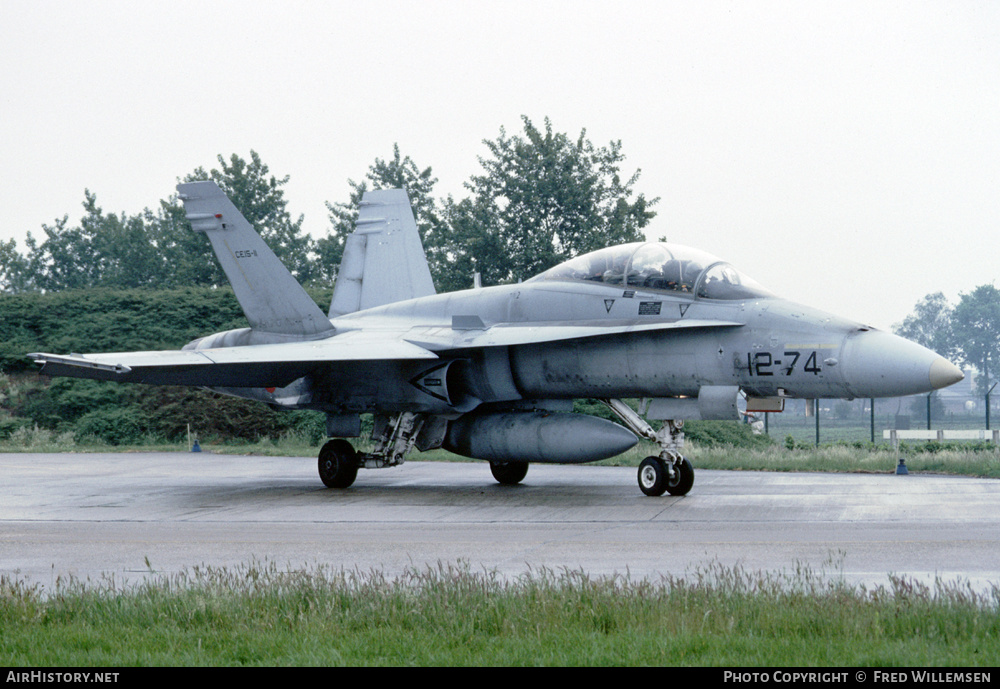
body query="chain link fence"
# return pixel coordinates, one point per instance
(830, 421)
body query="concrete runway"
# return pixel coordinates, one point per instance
(88, 514)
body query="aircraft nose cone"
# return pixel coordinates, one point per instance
(880, 364)
(944, 373)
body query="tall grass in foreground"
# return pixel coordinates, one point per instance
(260, 614)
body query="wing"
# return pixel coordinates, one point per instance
(277, 365)
(270, 365)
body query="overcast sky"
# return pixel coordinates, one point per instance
(844, 154)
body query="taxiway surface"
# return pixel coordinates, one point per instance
(91, 514)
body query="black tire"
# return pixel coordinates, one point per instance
(652, 476)
(683, 478)
(338, 464)
(509, 473)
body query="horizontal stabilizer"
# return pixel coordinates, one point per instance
(440, 339)
(272, 299)
(252, 366)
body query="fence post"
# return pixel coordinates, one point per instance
(816, 410)
(988, 405)
(872, 400)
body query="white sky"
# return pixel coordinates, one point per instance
(845, 154)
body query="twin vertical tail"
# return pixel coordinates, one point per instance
(383, 261)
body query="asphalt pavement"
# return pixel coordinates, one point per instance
(127, 515)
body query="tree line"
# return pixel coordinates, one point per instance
(542, 197)
(967, 333)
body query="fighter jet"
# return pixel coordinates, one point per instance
(491, 373)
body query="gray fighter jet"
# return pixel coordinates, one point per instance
(491, 373)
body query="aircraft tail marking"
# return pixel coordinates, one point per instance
(383, 260)
(272, 299)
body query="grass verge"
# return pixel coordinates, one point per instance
(964, 459)
(260, 614)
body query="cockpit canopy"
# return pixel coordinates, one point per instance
(660, 267)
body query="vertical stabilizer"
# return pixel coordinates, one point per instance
(272, 299)
(383, 260)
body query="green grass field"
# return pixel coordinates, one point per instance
(263, 615)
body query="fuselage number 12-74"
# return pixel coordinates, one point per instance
(782, 363)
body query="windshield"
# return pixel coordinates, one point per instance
(660, 267)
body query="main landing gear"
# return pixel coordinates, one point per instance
(338, 464)
(670, 472)
(339, 461)
(509, 473)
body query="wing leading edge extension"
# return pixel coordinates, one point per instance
(465, 335)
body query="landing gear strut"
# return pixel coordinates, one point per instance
(339, 461)
(670, 472)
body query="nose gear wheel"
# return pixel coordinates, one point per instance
(670, 472)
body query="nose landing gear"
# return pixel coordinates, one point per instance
(658, 476)
(670, 472)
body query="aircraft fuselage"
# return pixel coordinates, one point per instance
(779, 348)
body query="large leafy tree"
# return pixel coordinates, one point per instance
(399, 172)
(473, 245)
(107, 250)
(930, 325)
(968, 333)
(543, 197)
(14, 275)
(976, 327)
